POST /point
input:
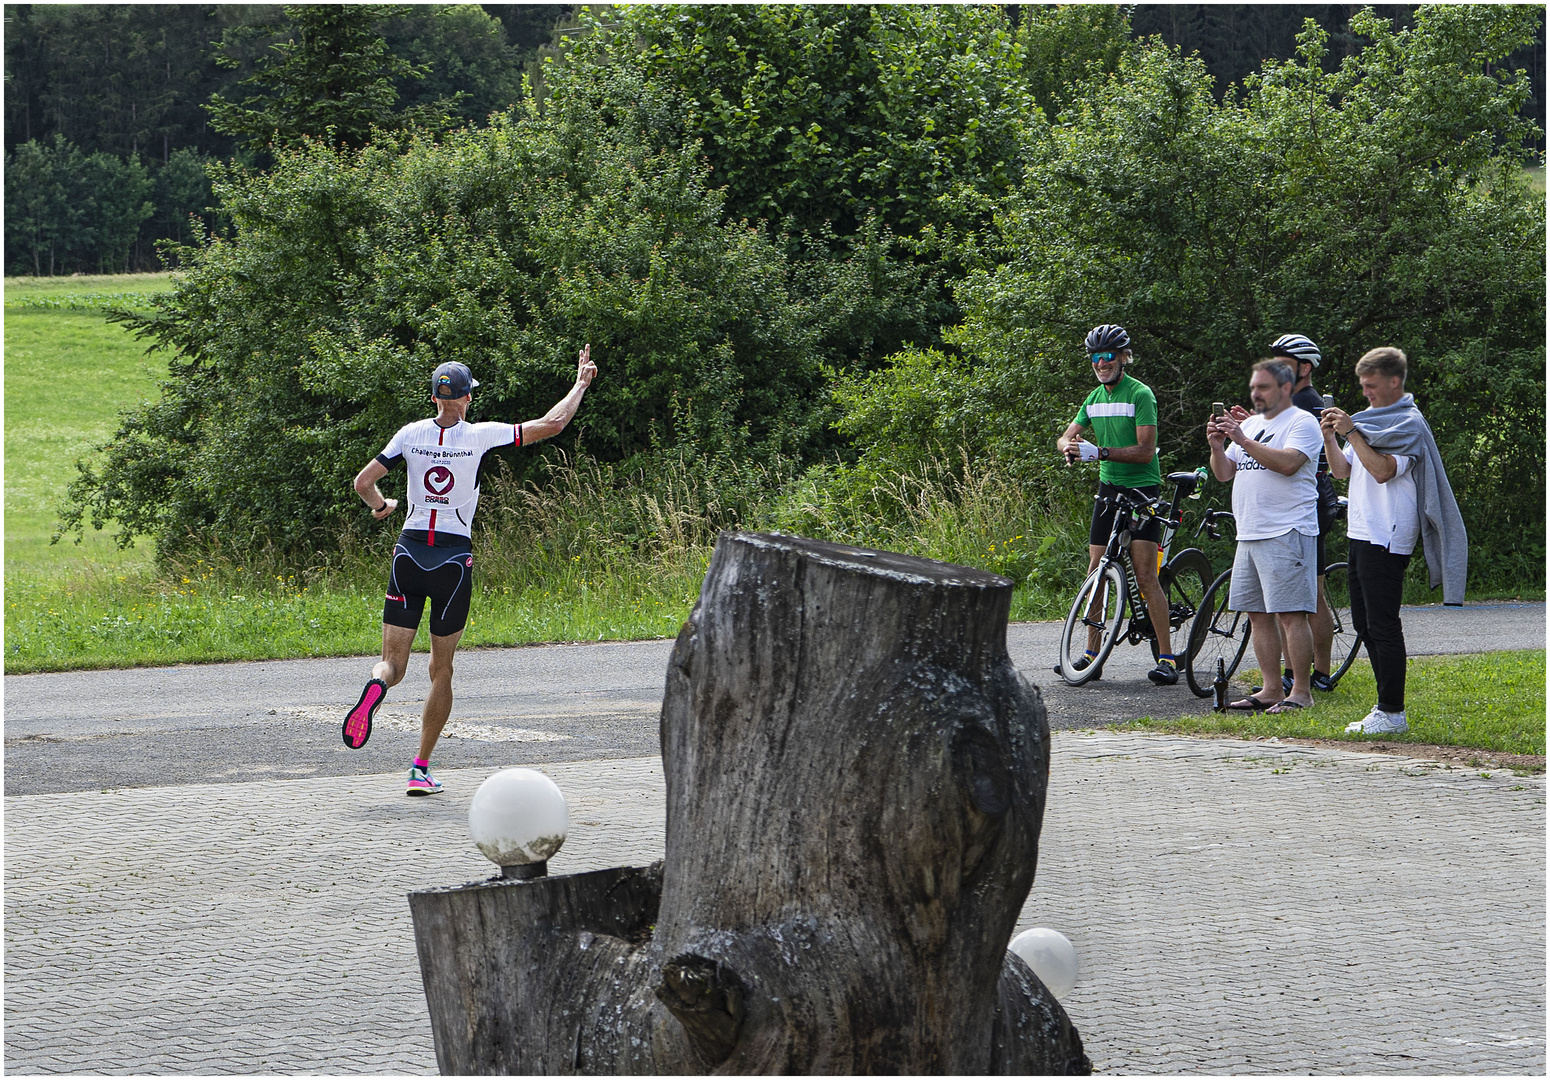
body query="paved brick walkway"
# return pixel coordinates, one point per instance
(1237, 907)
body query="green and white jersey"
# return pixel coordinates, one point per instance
(1114, 414)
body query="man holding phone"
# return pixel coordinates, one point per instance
(1269, 459)
(1400, 497)
(1121, 415)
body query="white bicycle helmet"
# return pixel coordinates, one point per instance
(1296, 347)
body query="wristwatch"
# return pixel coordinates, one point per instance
(1103, 453)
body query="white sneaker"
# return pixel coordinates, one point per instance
(1379, 722)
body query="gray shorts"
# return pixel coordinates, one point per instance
(1275, 575)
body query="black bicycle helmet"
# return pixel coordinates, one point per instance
(1107, 338)
(1296, 347)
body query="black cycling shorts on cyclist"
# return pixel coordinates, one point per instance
(1121, 415)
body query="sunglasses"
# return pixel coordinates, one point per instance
(1102, 357)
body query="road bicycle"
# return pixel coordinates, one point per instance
(1110, 591)
(1220, 633)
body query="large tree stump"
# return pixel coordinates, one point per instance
(855, 783)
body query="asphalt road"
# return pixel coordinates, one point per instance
(225, 723)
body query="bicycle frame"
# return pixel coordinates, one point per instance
(1117, 551)
(1111, 594)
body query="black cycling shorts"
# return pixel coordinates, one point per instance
(444, 575)
(1321, 553)
(1103, 516)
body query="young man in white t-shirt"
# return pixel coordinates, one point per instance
(1384, 526)
(1271, 458)
(433, 558)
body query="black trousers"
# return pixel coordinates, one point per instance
(1377, 581)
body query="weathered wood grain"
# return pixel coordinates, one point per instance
(855, 785)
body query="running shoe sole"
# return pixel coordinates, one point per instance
(357, 726)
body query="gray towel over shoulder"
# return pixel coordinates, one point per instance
(1401, 430)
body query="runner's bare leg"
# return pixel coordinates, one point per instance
(438, 703)
(396, 641)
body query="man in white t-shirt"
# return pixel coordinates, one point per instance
(1384, 526)
(1270, 459)
(433, 559)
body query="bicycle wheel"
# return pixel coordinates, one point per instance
(1218, 633)
(1099, 605)
(1347, 643)
(1184, 581)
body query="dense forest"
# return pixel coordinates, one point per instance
(108, 125)
(109, 130)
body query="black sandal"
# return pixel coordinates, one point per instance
(1250, 704)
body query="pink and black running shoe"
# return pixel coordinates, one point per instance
(357, 726)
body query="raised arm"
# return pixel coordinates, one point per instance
(1339, 467)
(1383, 467)
(1284, 461)
(553, 422)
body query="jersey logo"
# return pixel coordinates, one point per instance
(438, 480)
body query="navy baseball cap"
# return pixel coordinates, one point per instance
(452, 380)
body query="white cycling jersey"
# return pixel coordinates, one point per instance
(443, 464)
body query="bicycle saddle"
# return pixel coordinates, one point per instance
(1187, 481)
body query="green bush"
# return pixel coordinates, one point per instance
(302, 344)
(959, 509)
(859, 132)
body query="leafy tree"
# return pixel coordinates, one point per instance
(529, 26)
(183, 192)
(334, 79)
(40, 220)
(823, 113)
(860, 133)
(72, 212)
(115, 196)
(302, 343)
(127, 79)
(465, 57)
(1234, 40)
(1063, 46)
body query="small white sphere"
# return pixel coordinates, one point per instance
(518, 816)
(1051, 955)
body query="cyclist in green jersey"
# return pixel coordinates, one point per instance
(1121, 416)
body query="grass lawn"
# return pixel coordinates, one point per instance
(105, 619)
(1486, 701)
(67, 375)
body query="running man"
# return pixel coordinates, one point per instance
(433, 559)
(1121, 414)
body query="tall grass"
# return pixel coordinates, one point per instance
(973, 512)
(591, 552)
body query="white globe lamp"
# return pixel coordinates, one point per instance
(1051, 955)
(518, 820)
